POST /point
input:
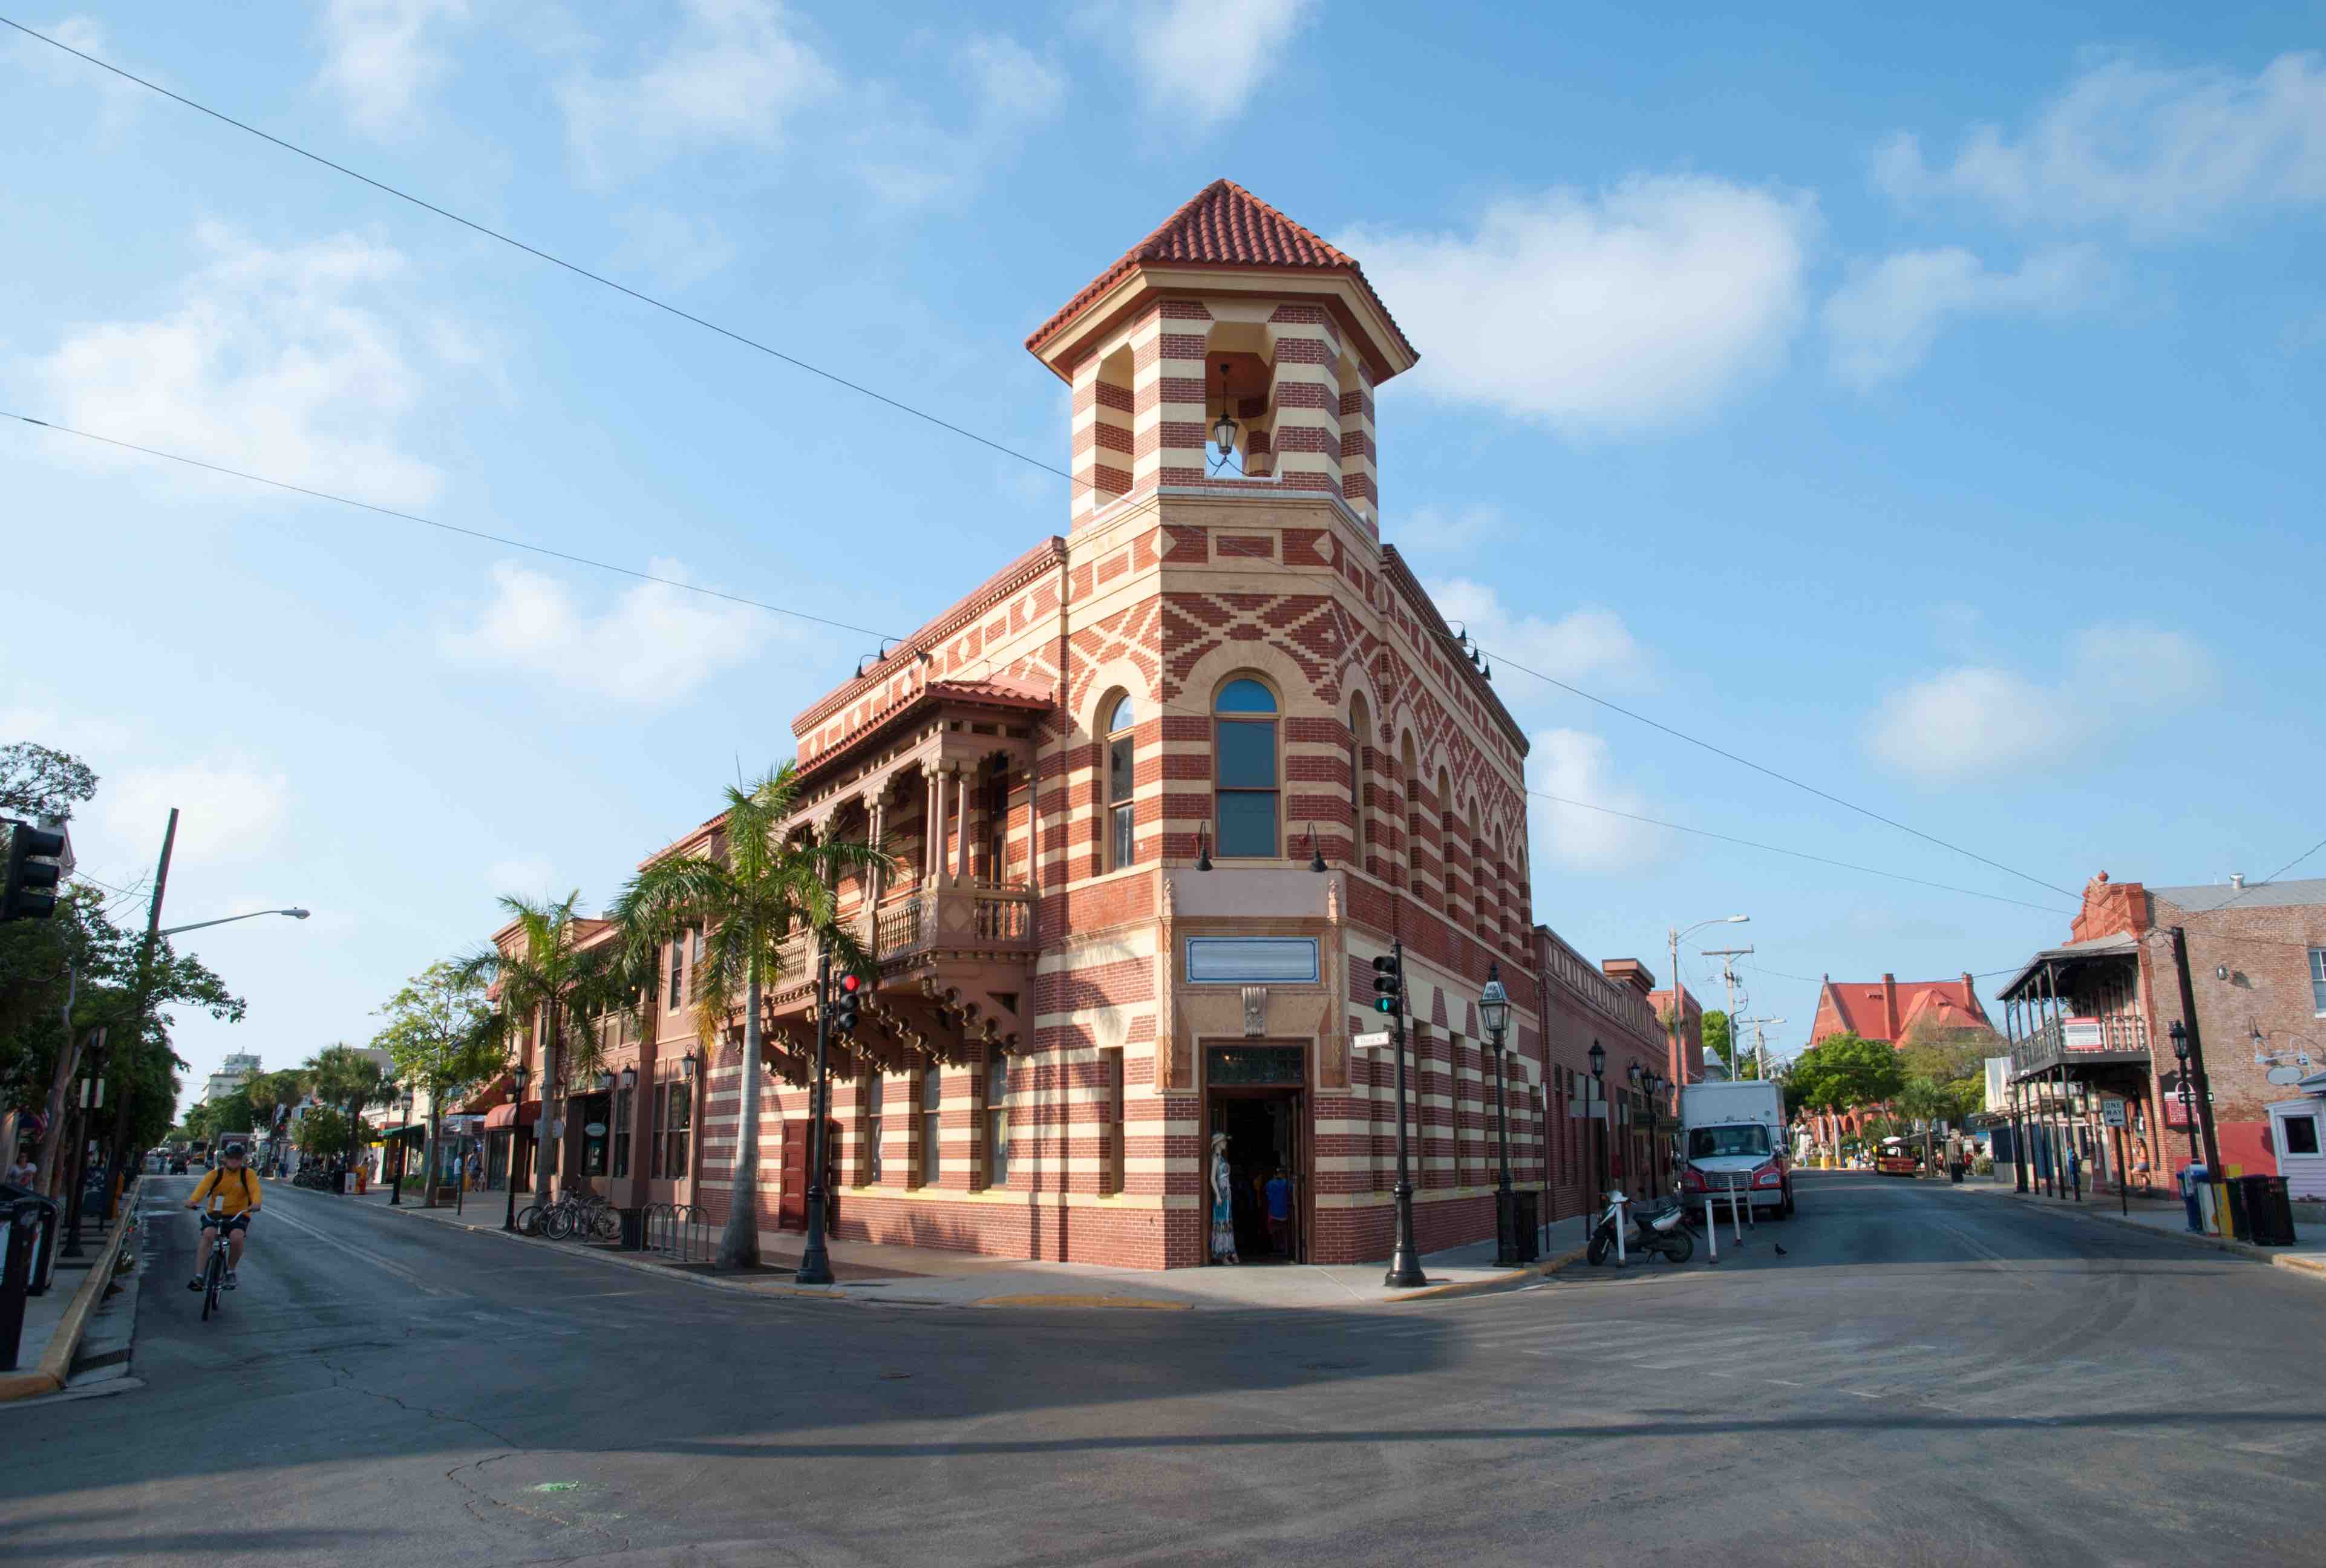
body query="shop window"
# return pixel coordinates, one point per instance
(1110, 1176)
(622, 1131)
(1244, 773)
(932, 1125)
(873, 1091)
(2301, 1133)
(1122, 767)
(997, 1120)
(677, 1128)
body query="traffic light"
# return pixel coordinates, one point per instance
(1389, 985)
(847, 1004)
(33, 872)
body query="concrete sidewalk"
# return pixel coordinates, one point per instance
(2306, 1256)
(932, 1276)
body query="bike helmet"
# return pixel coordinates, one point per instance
(233, 1150)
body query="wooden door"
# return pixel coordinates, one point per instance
(791, 1199)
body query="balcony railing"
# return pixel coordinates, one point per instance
(2108, 1037)
(914, 920)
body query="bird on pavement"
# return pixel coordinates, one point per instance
(1780, 1250)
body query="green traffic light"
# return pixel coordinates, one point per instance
(1385, 1004)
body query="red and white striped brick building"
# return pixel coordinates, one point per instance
(1220, 661)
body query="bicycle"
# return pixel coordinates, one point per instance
(217, 1235)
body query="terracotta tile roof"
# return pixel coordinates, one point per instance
(1857, 1005)
(1223, 225)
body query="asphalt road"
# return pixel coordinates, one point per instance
(1926, 1377)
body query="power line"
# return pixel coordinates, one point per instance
(575, 267)
(1781, 778)
(901, 407)
(433, 522)
(1797, 854)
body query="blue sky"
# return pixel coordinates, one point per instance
(1928, 409)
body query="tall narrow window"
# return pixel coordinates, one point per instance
(997, 1120)
(676, 1132)
(1360, 734)
(1121, 768)
(677, 993)
(2318, 981)
(622, 1132)
(932, 1124)
(1110, 1176)
(1243, 747)
(654, 1130)
(873, 1091)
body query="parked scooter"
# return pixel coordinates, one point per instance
(1662, 1230)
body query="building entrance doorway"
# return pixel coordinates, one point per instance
(1267, 1128)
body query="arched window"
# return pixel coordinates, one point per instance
(1359, 734)
(1243, 770)
(1122, 769)
(1407, 776)
(1449, 838)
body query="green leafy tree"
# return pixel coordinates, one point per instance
(349, 1080)
(324, 1130)
(1716, 1041)
(751, 892)
(443, 1036)
(548, 975)
(36, 781)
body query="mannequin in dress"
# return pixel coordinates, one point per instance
(1222, 1184)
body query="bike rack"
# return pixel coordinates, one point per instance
(681, 1230)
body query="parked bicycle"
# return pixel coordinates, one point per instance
(585, 1215)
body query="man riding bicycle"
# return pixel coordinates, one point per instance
(232, 1189)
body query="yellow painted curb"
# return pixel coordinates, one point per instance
(1136, 1302)
(1493, 1282)
(56, 1361)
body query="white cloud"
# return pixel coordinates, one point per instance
(1574, 765)
(2161, 152)
(231, 810)
(651, 648)
(277, 361)
(735, 74)
(1601, 313)
(121, 98)
(907, 158)
(673, 248)
(1882, 322)
(1585, 641)
(1200, 61)
(379, 58)
(1977, 720)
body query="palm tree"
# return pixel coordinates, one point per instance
(551, 974)
(349, 1080)
(751, 890)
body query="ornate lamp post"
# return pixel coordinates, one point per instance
(2188, 1100)
(517, 1075)
(402, 1150)
(1494, 1011)
(1599, 1112)
(629, 1101)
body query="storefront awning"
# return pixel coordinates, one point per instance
(507, 1116)
(488, 1096)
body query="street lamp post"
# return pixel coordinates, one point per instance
(1494, 1011)
(2188, 1100)
(814, 1264)
(518, 1077)
(403, 1151)
(1679, 1062)
(1599, 1107)
(630, 1104)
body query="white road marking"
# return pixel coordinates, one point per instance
(362, 1254)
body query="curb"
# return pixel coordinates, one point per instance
(2293, 1262)
(56, 1361)
(1493, 1282)
(840, 1293)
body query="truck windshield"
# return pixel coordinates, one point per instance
(1708, 1143)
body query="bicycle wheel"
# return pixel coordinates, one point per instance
(529, 1220)
(606, 1224)
(558, 1223)
(213, 1277)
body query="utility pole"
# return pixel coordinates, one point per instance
(1760, 1042)
(2203, 1087)
(1729, 955)
(133, 1047)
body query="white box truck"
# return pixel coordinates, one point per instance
(1733, 1134)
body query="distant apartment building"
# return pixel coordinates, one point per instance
(238, 1069)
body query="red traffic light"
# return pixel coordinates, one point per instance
(850, 982)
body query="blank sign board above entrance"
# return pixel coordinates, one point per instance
(1251, 960)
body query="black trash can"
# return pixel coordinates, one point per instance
(2269, 1210)
(1528, 1222)
(341, 1185)
(634, 1229)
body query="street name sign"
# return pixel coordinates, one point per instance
(1376, 1041)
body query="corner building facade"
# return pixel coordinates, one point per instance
(1158, 791)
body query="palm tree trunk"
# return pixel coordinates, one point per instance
(434, 1153)
(738, 1244)
(552, 1059)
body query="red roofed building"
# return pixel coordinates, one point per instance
(1158, 791)
(1888, 1011)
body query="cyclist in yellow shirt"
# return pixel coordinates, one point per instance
(232, 1189)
